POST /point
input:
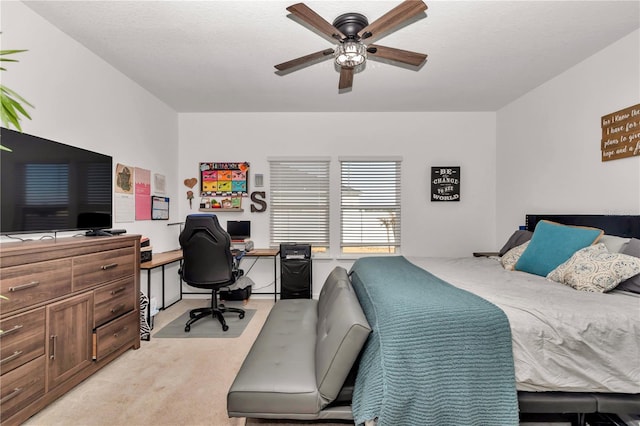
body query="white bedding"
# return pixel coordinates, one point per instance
(563, 339)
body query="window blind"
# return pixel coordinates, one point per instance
(299, 202)
(370, 205)
(46, 184)
(46, 195)
(94, 194)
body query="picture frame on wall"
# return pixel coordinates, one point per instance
(224, 179)
(159, 208)
(445, 183)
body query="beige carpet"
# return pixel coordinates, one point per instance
(165, 382)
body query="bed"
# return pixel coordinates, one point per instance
(573, 351)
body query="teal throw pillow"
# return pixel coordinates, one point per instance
(553, 244)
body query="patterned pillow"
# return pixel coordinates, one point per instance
(595, 269)
(511, 257)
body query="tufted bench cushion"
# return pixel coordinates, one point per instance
(302, 356)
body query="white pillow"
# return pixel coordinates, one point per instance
(595, 269)
(511, 257)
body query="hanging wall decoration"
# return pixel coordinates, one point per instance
(621, 134)
(190, 183)
(224, 179)
(445, 183)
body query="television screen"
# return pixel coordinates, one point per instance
(49, 186)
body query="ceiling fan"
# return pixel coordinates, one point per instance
(350, 32)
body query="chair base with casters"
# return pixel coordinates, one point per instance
(215, 310)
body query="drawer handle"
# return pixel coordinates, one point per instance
(24, 286)
(117, 308)
(54, 339)
(12, 395)
(122, 330)
(13, 330)
(109, 266)
(15, 355)
(120, 290)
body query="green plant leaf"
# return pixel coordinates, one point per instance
(11, 102)
(8, 112)
(15, 95)
(4, 148)
(12, 51)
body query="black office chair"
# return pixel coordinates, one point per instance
(208, 263)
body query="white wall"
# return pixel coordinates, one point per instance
(422, 139)
(81, 100)
(538, 154)
(548, 142)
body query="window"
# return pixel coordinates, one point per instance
(299, 202)
(370, 205)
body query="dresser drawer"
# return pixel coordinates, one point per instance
(21, 339)
(22, 386)
(33, 283)
(116, 334)
(97, 268)
(114, 300)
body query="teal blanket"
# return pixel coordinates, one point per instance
(437, 355)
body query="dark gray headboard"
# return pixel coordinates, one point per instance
(623, 226)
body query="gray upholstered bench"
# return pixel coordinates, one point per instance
(299, 362)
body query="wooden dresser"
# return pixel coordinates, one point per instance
(73, 306)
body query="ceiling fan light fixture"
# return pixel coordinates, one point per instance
(350, 54)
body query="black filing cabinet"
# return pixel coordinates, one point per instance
(295, 271)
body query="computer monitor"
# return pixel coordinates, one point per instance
(239, 229)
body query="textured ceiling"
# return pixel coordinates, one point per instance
(218, 56)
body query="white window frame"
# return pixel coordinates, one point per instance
(299, 201)
(373, 225)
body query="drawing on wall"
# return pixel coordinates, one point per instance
(143, 193)
(224, 179)
(124, 179)
(159, 184)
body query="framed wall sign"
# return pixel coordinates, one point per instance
(224, 179)
(159, 208)
(445, 183)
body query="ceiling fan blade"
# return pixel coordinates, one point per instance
(306, 14)
(399, 55)
(404, 11)
(346, 78)
(304, 60)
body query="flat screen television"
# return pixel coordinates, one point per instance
(48, 186)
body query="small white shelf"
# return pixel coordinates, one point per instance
(235, 209)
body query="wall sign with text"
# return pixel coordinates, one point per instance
(445, 183)
(224, 179)
(621, 134)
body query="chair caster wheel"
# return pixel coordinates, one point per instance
(187, 329)
(225, 327)
(241, 315)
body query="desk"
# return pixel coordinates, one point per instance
(268, 253)
(160, 260)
